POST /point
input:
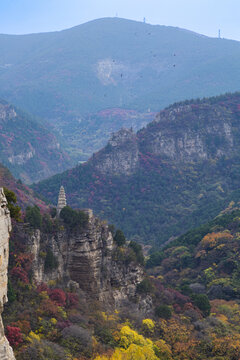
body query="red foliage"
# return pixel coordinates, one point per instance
(24, 261)
(72, 300)
(48, 308)
(14, 336)
(58, 296)
(42, 287)
(20, 273)
(23, 325)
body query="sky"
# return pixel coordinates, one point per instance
(203, 16)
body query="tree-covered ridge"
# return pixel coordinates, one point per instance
(164, 196)
(28, 148)
(204, 260)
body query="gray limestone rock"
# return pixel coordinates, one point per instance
(86, 261)
(6, 352)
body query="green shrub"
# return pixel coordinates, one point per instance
(33, 217)
(155, 259)
(11, 293)
(145, 287)
(163, 311)
(53, 212)
(119, 238)
(137, 248)
(202, 302)
(47, 225)
(15, 210)
(51, 261)
(73, 218)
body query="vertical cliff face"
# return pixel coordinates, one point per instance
(120, 156)
(6, 352)
(87, 259)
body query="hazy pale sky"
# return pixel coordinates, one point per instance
(202, 16)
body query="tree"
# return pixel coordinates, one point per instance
(145, 286)
(202, 302)
(119, 238)
(73, 218)
(137, 248)
(14, 336)
(163, 311)
(51, 261)
(15, 210)
(33, 216)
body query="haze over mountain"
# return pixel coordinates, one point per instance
(27, 147)
(179, 171)
(111, 63)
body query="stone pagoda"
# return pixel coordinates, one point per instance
(62, 202)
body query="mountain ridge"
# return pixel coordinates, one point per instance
(112, 63)
(27, 147)
(158, 179)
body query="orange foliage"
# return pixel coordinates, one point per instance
(212, 239)
(48, 307)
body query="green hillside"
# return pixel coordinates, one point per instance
(178, 172)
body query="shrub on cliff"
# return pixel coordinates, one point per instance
(15, 210)
(33, 217)
(74, 218)
(51, 261)
(145, 287)
(137, 248)
(119, 238)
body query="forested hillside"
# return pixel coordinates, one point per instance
(178, 172)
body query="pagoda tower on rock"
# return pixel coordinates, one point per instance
(62, 202)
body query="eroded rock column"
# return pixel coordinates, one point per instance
(6, 352)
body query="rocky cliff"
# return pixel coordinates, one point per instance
(6, 352)
(182, 133)
(120, 156)
(193, 132)
(87, 259)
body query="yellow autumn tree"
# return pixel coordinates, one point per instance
(133, 346)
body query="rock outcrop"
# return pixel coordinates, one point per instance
(184, 133)
(120, 156)
(6, 352)
(187, 133)
(86, 259)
